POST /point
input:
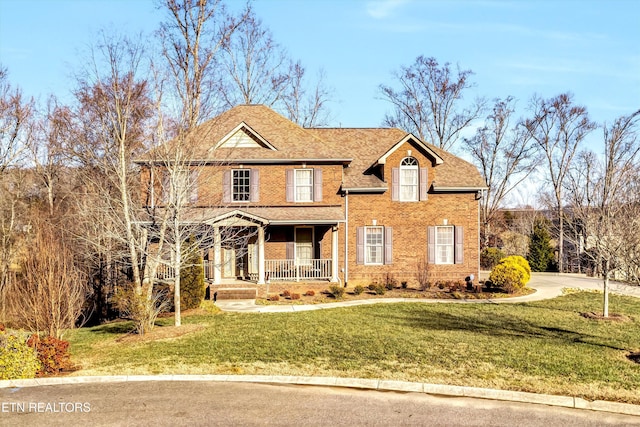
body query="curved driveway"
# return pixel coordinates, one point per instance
(546, 285)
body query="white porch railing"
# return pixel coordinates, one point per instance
(275, 270)
(289, 269)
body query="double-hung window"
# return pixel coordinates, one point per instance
(374, 245)
(304, 185)
(409, 179)
(241, 187)
(444, 245)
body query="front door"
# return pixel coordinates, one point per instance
(304, 245)
(228, 262)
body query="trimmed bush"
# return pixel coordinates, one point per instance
(336, 291)
(511, 274)
(192, 287)
(295, 295)
(17, 359)
(310, 293)
(380, 289)
(490, 257)
(274, 297)
(522, 263)
(358, 290)
(286, 293)
(53, 354)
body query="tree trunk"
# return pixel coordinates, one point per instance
(177, 263)
(605, 290)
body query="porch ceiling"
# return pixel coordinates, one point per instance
(266, 215)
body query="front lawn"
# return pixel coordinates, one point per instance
(543, 347)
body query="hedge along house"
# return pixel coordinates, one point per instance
(330, 204)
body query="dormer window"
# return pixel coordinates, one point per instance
(409, 180)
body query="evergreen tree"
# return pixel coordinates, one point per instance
(540, 251)
(192, 287)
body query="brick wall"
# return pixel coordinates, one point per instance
(410, 221)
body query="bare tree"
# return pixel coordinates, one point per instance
(558, 127)
(506, 157)
(192, 37)
(607, 212)
(51, 294)
(15, 122)
(303, 105)
(16, 134)
(111, 125)
(255, 66)
(429, 101)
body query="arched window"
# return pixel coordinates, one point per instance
(409, 179)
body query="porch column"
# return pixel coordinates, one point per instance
(260, 255)
(217, 262)
(334, 253)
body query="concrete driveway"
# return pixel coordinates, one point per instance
(546, 285)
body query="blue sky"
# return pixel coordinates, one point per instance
(518, 48)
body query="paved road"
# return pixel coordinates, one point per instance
(546, 285)
(245, 404)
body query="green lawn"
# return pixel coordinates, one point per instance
(544, 347)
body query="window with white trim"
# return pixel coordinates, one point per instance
(444, 245)
(241, 186)
(409, 179)
(373, 245)
(303, 185)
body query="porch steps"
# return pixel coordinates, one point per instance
(236, 293)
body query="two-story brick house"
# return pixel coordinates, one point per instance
(337, 204)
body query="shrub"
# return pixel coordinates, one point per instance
(509, 275)
(192, 287)
(336, 291)
(390, 282)
(53, 354)
(310, 293)
(295, 295)
(286, 293)
(372, 286)
(380, 289)
(404, 284)
(17, 359)
(522, 263)
(274, 297)
(358, 290)
(490, 257)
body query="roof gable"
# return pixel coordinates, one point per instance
(410, 138)
(243, 136)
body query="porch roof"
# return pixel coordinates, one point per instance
(280, 215)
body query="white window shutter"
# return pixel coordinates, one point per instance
(459, 242)
(290, 186)
(424, 183)
(388, 245)
(254, 177)
(226, 187)
(317, 185)
(395, 184)
(431, 245)
(360, 245)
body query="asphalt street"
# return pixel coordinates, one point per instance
(247, 404)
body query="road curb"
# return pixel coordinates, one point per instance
(358, 383)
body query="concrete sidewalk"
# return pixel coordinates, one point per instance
(546, 286)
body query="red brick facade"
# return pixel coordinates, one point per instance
(357, 192)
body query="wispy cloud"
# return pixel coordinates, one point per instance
(383, 8)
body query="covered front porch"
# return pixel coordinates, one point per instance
(247, 248)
